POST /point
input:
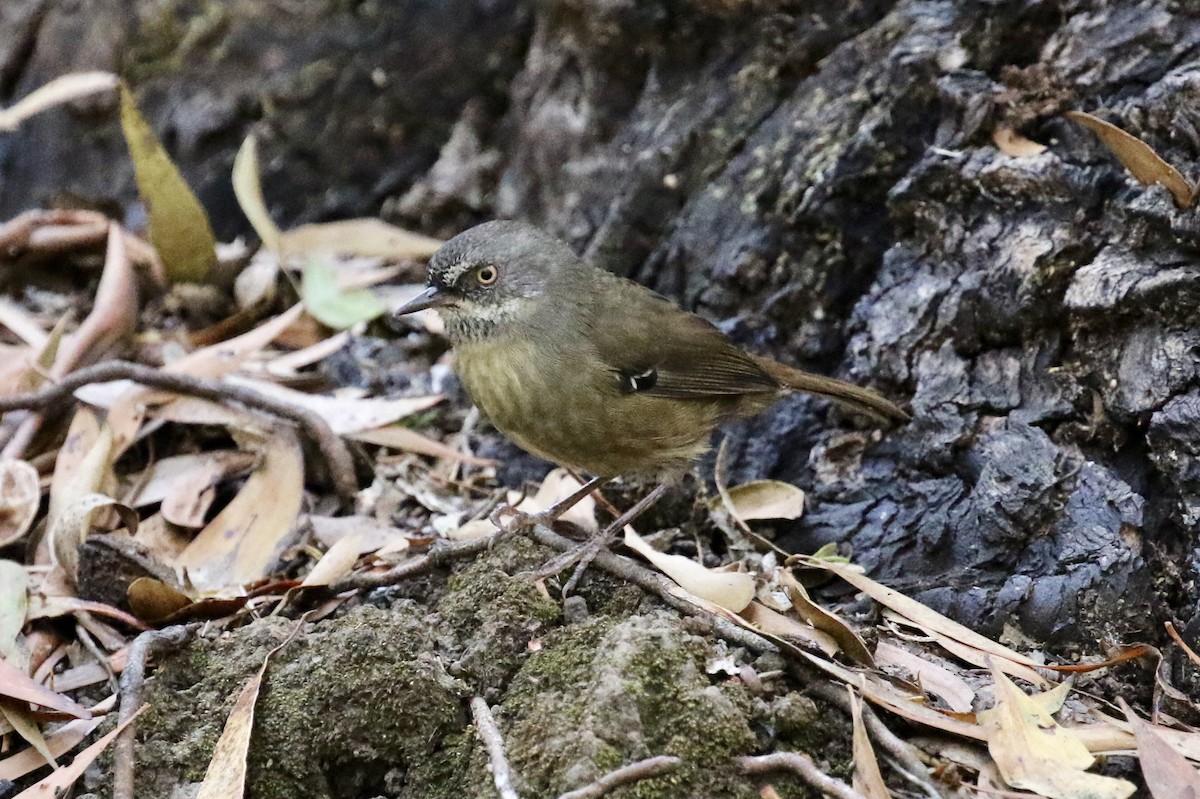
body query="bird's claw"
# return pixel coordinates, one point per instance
(509, 520)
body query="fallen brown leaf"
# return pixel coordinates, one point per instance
(1138, 157)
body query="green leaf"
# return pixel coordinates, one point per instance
(331, 306)
(178, 226)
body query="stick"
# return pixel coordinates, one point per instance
(634, 772)
(442, 553)
(132, 680)
(802, 766)
(332, 448)
(489, 733)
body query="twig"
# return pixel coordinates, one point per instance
(332, 448)
(441, 554)
(489, 733)
(655, 583)
(802, 766)
(89, 643)
(634, 772)
(132, 680)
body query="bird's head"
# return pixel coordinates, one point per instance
(491, 276)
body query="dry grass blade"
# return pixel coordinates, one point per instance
(1138, 157)
(1177, 638)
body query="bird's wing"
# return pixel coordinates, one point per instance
(655, 348)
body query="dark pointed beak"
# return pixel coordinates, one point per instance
(429, 298)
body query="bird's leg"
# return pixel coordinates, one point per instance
(583, 554)
(509, 519)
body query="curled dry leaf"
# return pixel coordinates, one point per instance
(113, 315)
(247, 187)
(18, 716)
(730, 590)
(1009, 142)
(20, 496)
(15, 684)
(822, 619)
(765, 499)
(763, 619)
(177, 223)
(1034, 753)
(58, 91)
(73, 523)
(1138, 157)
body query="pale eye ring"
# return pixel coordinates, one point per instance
(487, 275)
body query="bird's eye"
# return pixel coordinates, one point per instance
(487, 275)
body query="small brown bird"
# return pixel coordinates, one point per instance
(593, 371)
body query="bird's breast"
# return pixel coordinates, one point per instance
(566, 407)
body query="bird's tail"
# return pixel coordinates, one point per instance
(855, 398)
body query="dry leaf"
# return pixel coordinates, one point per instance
(1009, 142)
(867, 778)
(114, 311)
(327, 301)
(369, 238)
(17, 714)
(14, 606)
(226, 774)
(248, 190)
(763, 619)
(20, 498)
(180, 477)
(58, 91)
(922, 616)
(61, 741)
(177, 224)
(345, 415)
(766, 499)
(730, 590)
(822, 619)
(58, 782)
(1168, 774)
(84, 462)
(154, 601)
(1138, 157)
(244, 540)
(394, 436)
(1034, 753)
(940, 682)
(15, 684)
(336, 563)
(73, 523)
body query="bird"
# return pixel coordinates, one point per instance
(596, 372)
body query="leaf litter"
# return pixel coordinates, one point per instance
(225, 501)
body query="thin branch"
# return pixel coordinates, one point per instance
(132, 680)
(489, 733)
(659, 585)
(443, 552)
(333, 449)
(802, 766)
(634, 772)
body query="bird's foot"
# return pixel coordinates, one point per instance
(509, 520)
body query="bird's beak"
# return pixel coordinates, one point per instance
(429, 298)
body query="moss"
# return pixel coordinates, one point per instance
(606, 692)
